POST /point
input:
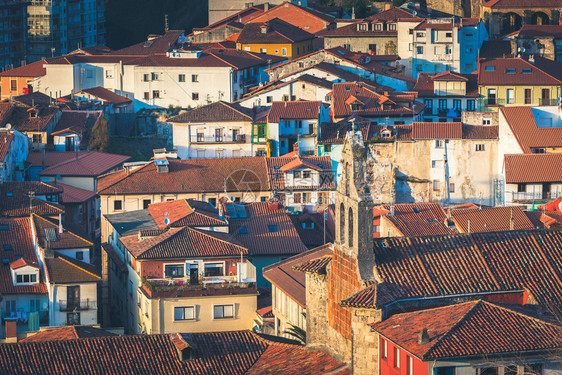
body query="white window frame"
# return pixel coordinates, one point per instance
(223, 263)
(194, 307)
(225, 304)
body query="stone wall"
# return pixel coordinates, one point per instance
(477, 118)
(365, 360)
(385, 45)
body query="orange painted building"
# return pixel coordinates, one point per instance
(14, 82)
(307, 19)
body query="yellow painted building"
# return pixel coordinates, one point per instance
(275, 37)
(518, 82)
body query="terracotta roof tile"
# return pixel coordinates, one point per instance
(260, 240)
(15, 201)
(106, 95)
(316, 265)
(292, 282)
(294, 110)
(64, 270)
(532, 168)
(477, 132)
(437, 130)
(160, 44)
(491, 219)
(90, 163)
(6, 110)
(431, 24)
(193, 175)
(415, 267)
(72, 194)
(526, 131)
(218, 111)
(183, 243)
(23, 122)
(16, 241)
(497, 4)
(310, 227)
(66, 240)
(34, 69)
(306, 18)
(425, 83)
(543, 75)
(220, 353)
(474, 328)
(278, 31)
(266, 312)
(323, 164)
(67, 333)
(533, 31)
(185, 212)
(415, 219)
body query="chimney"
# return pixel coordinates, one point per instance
(532, 59)
(11, 330)
(184, 349)
(386, 6)
(392, 210)
(423, 337)
(60, 223)
(296, 147)
(265, 7)
(352, 13)
(264, 29)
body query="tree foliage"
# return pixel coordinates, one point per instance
(99, 140)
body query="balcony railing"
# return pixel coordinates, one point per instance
(495, 102)
(239, 138)
(524, 196)
(208, 286)
(548, 101)
(22, 317)
(76, 305)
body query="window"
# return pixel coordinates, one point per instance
(184, 313)
(392, 26)
(538, 150)
(146, 77)
(428, 104)
(146, 95)
(305, 197)
(480, 147)
(284, 51)
(323, 198)
(269, 99)
(448, 35)
(492, 96)
(73, 318)
(489, 68)
(285, 98)
(297, 197)
(156, 94)
(130, 288)
(419, 50)
(272, 228)
(117, 205)
(409, 365)
(526, 71)
(535, 368)
(297, 174)
(510, 70)
(154, 76)
(489, 371)
(528, 96)
(510, 95)
(451, 187)
(471, 105)
(174, 270)
(434, 164)
(195, 96)
(243, 230)
(145, 203)
(442, 104)
(396, 357)
(80, 255)
(420, 35)
(223, 311)
(521, 188)
(445, 370)
(384, 343)
(181, 77)
(306, 174)
(373, 48)
(435, 185)
(214, 269)
(26, 279)
(263, 50)
(13, 85)
(486, 121)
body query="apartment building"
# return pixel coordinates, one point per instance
(13, 33)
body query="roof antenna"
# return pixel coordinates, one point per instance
(469, 226)
(165, 23)
(31, 194)
(511, 221)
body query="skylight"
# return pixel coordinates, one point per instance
(272, 228)
(243, 230)
(489, 68)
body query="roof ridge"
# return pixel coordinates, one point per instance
(520, 313)
(125, 175)
(455, 326)
(223, 60)
(203, 232)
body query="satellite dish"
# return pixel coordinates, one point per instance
(8, 126)
(415, 13)
(167, 221)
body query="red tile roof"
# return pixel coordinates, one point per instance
(491, 219)
(524, 127)
(474, 328)
(260, 240)
(6, 110)
(5, 142)
(51, 157)
(477, 132)
(415, 219)
(65, 240)
(345, 93)
(294, 110)
(183, 243)
(65, 270)
(80, 123)
(16, 240)
(543, 75)
(193, 175)
(416, 267)
(67, 333)
(277, 165)
(425, 86)
(306, 18)
(242, 16)
(266, 312)
(290, 281)
(437, 130)
(106, 95)
(15, 201)
(218, 111)
(185, 212)
(533, 168)
(278, 31)
(312, 229)
(72, 194)
(22, 121)
(91, 163)
(219, 353)
(431, 24)
(34, 69)
(533, 31)
(160, 44)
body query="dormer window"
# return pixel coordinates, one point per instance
(305, 174)
(297, 174)
(386, 134)
(490, 68)
(377, 26)
(392, 26)
(26, 279)
(356, 106)
(387, 107)
(362, 27)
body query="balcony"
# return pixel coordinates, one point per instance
(76, 305)
(548, 101)
(200, 138)
(24, 316)
(529, 197)
(210, 286)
